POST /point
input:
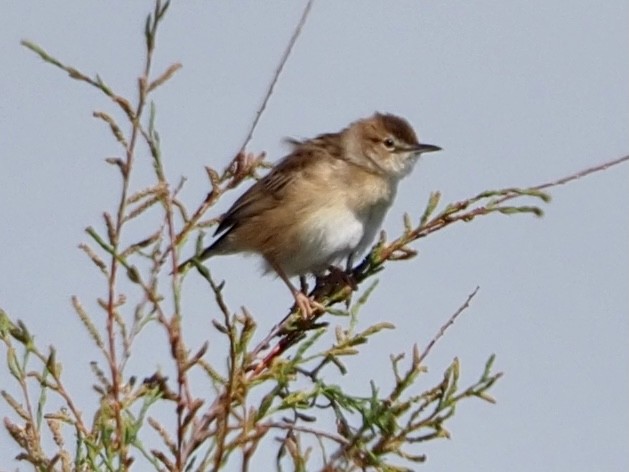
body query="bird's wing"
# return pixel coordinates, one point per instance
(267, 192)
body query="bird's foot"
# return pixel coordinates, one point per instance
(307, 305)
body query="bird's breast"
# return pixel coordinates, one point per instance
(333, 231)
(334, 221)
(377, 197)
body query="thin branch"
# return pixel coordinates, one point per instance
(583, 173)
(446, 325)
(278, 71)
(303, 429)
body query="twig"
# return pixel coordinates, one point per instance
(446, 325)
(278, 71)
(303, 429)
(583, 173)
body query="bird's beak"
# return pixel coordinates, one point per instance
(422, 148)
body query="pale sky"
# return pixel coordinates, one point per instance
(517, 93)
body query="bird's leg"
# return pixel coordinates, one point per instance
(349, 268)
(349, 265)
(303, 283)
(302, 301)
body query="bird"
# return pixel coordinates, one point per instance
(322, 203)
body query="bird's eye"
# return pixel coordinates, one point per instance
(389, 143)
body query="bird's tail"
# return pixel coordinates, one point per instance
(218, 247)
(196, 260)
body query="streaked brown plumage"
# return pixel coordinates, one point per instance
(323, 202)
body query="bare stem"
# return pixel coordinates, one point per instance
(278, 71)
(446, 325)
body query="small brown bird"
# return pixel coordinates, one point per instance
(323, 202)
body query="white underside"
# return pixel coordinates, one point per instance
(331, 234)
